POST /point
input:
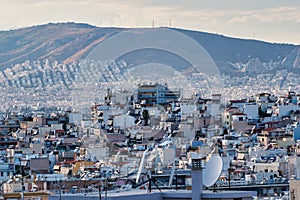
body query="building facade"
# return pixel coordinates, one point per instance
(154, 94)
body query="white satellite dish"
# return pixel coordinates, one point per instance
(212, 171)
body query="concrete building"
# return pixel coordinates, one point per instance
(157, 94)
(197, 192)
(6, 171)
(164, 195)
(251, 110)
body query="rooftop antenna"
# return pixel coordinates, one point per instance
(152, 23)
(170, 23)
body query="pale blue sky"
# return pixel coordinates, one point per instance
(268, 20)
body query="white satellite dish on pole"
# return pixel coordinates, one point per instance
(212, 171)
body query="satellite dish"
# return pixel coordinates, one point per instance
(212, 171)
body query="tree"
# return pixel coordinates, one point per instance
(146, 117)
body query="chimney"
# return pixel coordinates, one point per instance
(197, 183)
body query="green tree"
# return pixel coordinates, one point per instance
(146, 117)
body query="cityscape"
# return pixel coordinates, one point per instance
(149, 112)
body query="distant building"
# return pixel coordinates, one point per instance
(227, 116)
(6, 171)
(251, 110)
(153, 94)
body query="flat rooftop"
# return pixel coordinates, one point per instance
(157, 195)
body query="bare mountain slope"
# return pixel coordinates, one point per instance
(64, 42)
(69, 42)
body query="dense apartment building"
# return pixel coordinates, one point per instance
(153, 94)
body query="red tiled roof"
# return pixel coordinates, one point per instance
(269, 129)
(231, 109)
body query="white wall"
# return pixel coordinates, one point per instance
(213, 109)
(75, 118)
(187, 109)
(251, 110)
(124, 120)
(283, 110)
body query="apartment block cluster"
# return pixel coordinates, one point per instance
(152, 130)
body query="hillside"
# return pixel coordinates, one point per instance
(63, 42)
(50, 64)
(69, 42)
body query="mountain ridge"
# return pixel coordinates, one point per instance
(70, 42)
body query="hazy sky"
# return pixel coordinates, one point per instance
(268, 20)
